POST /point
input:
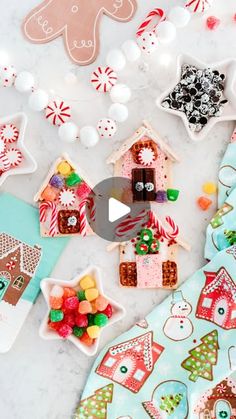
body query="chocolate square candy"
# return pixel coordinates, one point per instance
(68, 221)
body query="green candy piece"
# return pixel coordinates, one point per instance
(90, 319)
(56, 315)
(78, 331)
(146, 235)
(172, 194)
(81, 295)
(142, 248)
(100, 320)
(73, 179)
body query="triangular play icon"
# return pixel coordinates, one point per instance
(116, 210)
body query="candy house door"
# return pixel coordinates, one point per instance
(220, 312)
(124, 370)
(149, 271)
(222, 410)
(4, 284)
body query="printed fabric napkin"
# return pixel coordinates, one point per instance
(25, 258)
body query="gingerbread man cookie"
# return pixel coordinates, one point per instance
(78, 22)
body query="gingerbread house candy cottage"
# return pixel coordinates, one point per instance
(64, 200)
(146, 160)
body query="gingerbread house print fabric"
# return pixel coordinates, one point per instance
(18, 264)
(146, 161)
(64, 201)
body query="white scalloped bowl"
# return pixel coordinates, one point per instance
(227, 67)
(28, 164)
(46, 285)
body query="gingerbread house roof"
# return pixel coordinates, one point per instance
(144, 130)
(29, 256)
(145, 342)
(215, 280)
(52, 171)
(225, 390)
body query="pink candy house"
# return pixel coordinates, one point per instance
(217, 302)
(146, 160)
(130, 363)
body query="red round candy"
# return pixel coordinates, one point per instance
(81, 320)
(69, 318)
(65, 331)
(108, 311)
(55, 325)
(71, 303)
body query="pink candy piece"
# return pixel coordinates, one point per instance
(83, 190)
(212, 22)
(65, 331)
(71, 303)
(101, 303)
(85, 307)
(69, 319)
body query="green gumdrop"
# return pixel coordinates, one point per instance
(172, 194)
(100, 320)
(90, 319)
(81, 295)
(78, 331)
(73, 179)
(56, 315)
(146, 235)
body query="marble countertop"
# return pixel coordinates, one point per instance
(44, 379)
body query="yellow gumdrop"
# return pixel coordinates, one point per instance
(91, 294)
(93, 331)
(209, 188)
(64, 168)
(87, 282)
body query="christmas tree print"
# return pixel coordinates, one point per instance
(203, 357)
(95, 406)
(170, 402)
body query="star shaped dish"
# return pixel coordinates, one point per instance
(228, 68)
(28, 164)
(47, 284)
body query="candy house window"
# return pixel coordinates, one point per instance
(110, 362)
(139, 374)
(18, 283)
(233, 315)
(207, 302)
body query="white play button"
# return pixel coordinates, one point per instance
(117, 210)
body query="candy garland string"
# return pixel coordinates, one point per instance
(104, 78)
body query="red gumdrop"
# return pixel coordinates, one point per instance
(81, 320)
(71, 303)
(108, 311)
(55, 325)
(65, 331)
(212, 22)
(69, 318)
(234, 17)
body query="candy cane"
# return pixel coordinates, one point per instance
(129, 223)
(87, 202)
(155, 222)
(43, 216)
(149, 19)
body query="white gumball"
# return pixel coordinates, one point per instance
(68, 132)
(88, 136)
(179, 16)
(7, 76)
(106, 128)
(24, 82)
(116, 59)
(148, 42)
(118, 112)
(120, 93)
(131, 50)
(165, 32)
(38, 100)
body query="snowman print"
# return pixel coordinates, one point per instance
(178, 326)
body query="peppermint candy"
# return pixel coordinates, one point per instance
(14, 156)
(103, 79)
(146, 156)
(2, 147)
(67, 197)
(58, 112)
(9, 133)
(4, 163)
(199, 6)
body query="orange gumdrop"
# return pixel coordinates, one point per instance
(49, 193)
(86, 339)
(204, 203)
(69, 292)
(55, 302)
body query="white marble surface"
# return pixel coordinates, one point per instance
(44, 380)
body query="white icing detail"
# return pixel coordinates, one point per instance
(44, 25)
(74, 8)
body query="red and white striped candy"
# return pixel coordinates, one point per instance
(156, 223)
(90, 204)
(67, 197)
(129, 223)
(4, 163)
(15, 156)
(146, 156)
(43, 208)
(2, 147)
(9, 133)
(57, 112)
(156, 14)
(198, 6)
(103, 79)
